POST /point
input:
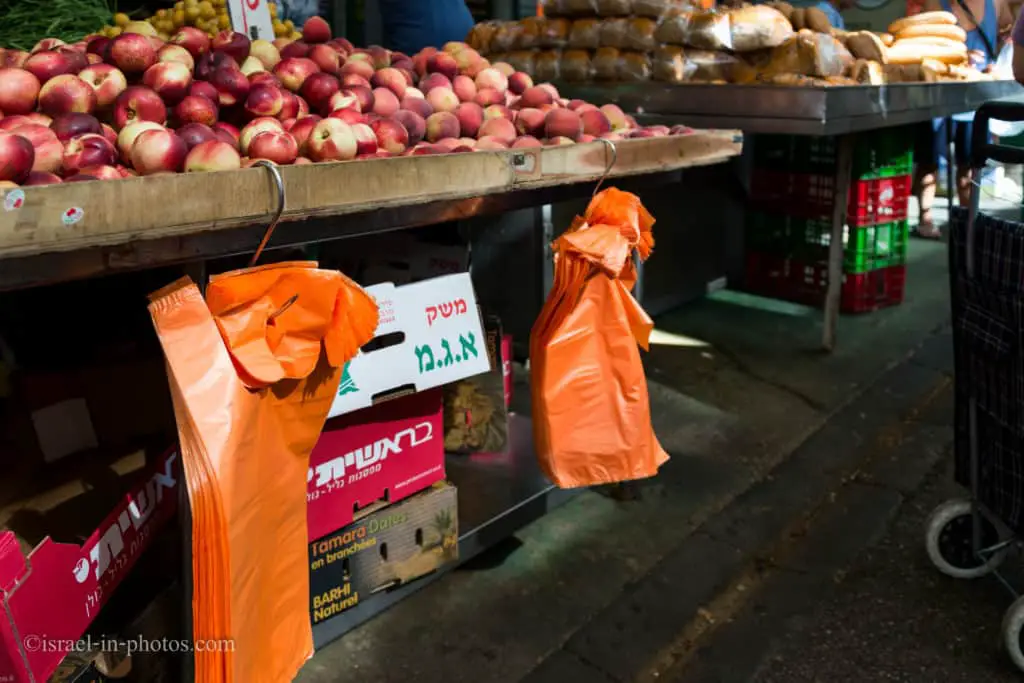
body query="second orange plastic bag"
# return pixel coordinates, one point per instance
(591, 411)
(253, 371)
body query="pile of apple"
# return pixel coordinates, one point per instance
(137, 105)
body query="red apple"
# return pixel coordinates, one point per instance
(327, 58)
(418, 106)
(48, 149)
(296, 48)
(264, 100)
(290, 105)
(342, 100)
(126, 138)
(259, 125)
(391, 135)
(204, 89)
(236, 45)
(356, 67)
(294, 71)
(196, 109)
(213, 155)
(264, 78)
(16, 157)
(158, 151)
(18, 91)
(107, 82)
(265, 51)
(414, 124)
(391, 79)
(132, 53)
(227, 129)
(87, 150)
(170, 80)
(442, 99)
(41, 119)
(46, 65)
(138, 103)
(176, 53)
(195, 133)
(9, 123)
(432, 81)
(232, 86)
(316, 30)
(366, 139)
(464, 88)
(301, 130)
(318, 89)
(192, 39)
(349, 116)
(15, 58)
(443, 63)
(109, 133)
(41, 178)
(276, 146)
(103, 172)
(48, 44)
(210, 62)
(97, 45)
(66, 93)
(364, 95)
(331, 140)
(353, 80)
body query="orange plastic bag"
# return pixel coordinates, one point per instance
(253, 372)
(591, 411)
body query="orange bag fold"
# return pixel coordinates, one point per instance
(591, 410)
(253, 371)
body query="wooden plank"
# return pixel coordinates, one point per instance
(82, 215)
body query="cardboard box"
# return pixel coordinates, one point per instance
(430, 334)
(55, 590)
(387, 452)
(384, 549)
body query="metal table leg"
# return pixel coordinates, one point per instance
(951, 189)
(844, 173)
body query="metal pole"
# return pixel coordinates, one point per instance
(951, 189)
(844, 173)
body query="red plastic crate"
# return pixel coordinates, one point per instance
(806, 283)
(812, 196)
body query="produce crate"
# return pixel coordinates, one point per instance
(812, 196)
(806, 283)
(882, 153)
(864, 248)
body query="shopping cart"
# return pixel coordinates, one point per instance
(967, 539)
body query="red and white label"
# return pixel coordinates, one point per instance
(252, 18)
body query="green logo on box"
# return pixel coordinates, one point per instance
(348, 385)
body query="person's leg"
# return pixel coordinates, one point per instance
(925, 173)
(962, 141)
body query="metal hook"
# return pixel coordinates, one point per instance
(275, 174)
(284, 307)
(609, 165)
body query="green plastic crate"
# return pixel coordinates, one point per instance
(884, 153)
(865, 248)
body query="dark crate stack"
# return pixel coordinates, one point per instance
(788, 231)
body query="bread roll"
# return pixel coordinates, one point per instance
(925, 43)
(887, 39)
(757, 27)
(923, 18)
(910, 52)
(866, 45)
(796, 18)
(867, 72)
(640, 34)
(613, 32)
(784, 7)
(933, 31)
(585, 34)
(816, 20)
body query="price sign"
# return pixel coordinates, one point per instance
(251, 17)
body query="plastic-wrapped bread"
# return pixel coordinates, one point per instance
(707, 65)
(585, 34)
(523, 60)
(576, 66)
(640, 35)
(529, 34)
(506, 37)
(555, 33)
(635, 66)
(606, 64)
(810, 54)
(669, 65)
(757, 27)
(673, 30)
(547, 66)
(613, 32)
(653, 9)
(480, 36)
(709, 31)
(614, 8)
(580, 8)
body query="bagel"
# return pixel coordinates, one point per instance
(866, 45)
(933, 31)
(923, 18)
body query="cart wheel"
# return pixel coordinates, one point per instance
(948, 541)
(1013, 623)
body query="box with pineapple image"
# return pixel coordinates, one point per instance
(387, 546)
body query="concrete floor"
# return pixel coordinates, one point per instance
(768, 436)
